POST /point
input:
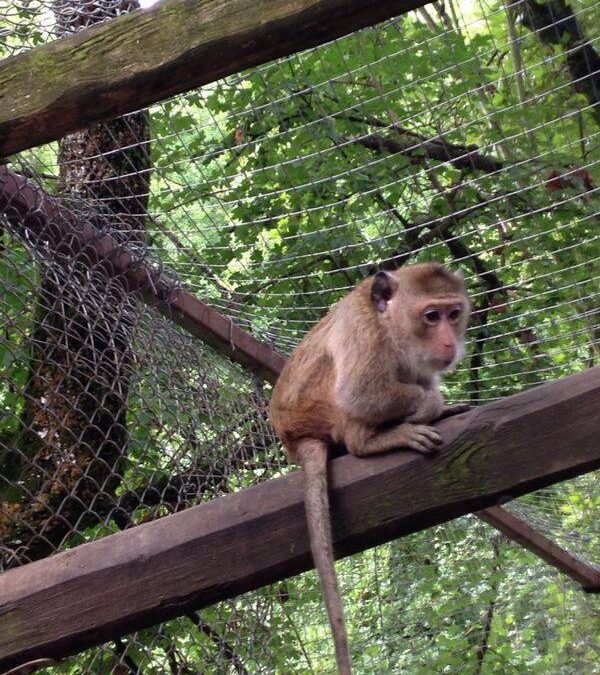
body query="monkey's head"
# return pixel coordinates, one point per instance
(425, 310)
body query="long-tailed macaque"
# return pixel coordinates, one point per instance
(367, 376)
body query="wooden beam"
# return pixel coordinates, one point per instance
(162, 569)
(41, 218)
(588, 576)
(148, 55)
(44, 221)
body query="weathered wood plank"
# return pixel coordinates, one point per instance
(95, 592)
(144, 57)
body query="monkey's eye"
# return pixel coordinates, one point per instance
(454, 314)
(431, 316)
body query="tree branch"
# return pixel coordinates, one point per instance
(555, 23)
(417, 147)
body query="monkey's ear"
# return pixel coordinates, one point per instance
(459, 274)
(382, 289)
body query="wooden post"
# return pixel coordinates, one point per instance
(42, 219)
(585, 574)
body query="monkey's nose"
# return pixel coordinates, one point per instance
(449, 356)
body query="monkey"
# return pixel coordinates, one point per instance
(366, 377)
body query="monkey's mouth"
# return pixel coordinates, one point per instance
(443, 362)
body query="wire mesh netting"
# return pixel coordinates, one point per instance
(466, 133)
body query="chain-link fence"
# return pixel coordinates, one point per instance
(465, 133)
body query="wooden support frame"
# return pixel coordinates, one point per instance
(47, 100)
(171, 56)
(137, 59)
(42, 218)
(133, 579)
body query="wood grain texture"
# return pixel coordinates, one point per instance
(146, 56)
(159, 570)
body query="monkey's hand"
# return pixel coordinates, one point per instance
(419, 437)
(428, 406)
(450, 410)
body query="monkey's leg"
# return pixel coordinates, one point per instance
(417, 437)
(312, 455)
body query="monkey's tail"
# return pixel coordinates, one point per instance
(313, 459)
(30, 667)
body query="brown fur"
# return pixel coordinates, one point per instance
(367, 376)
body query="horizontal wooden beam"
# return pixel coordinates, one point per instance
(133, 579)
(41, 219)
(588, 576)
(140, 58)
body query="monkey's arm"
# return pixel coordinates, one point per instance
(376, 401)
(427, 405)
(409, 402)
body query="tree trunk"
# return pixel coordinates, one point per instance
(67, 460)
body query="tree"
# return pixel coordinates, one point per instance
(68, 454)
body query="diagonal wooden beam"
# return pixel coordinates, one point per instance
(162, 569)
(148, 55)
(42, 219)
(585, 574)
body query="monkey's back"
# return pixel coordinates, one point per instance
(302, 405)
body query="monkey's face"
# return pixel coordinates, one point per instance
(425, 310)
(439, 326)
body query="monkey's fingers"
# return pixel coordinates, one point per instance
(429, 432)
(423, 438)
